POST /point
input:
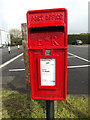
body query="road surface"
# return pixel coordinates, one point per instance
(13, 74)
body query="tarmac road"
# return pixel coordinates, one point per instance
(5, 56)
(13, 75)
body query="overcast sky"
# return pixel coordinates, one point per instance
(13, 12)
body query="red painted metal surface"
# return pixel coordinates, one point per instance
(47, 30)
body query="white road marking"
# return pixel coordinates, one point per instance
(79, 57)
(13, 70)
(22, 59)
(8, 62)
(78, 66)
(80, 45)
(71, 56)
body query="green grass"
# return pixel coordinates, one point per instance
(16, 105)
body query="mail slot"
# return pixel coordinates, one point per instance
(47, 48)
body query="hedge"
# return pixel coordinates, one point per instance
(84, 37)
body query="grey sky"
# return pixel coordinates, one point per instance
(89, 17)
(13, 12)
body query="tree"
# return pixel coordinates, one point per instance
(15, 35)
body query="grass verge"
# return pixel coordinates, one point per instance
(16, 105)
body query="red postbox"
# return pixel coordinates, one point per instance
(47, 47)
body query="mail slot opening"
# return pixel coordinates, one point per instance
(49, 29)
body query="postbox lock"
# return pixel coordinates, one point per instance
(47, 52)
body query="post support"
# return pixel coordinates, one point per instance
(50, 109)
(25, 54)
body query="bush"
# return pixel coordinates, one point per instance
(16, 41)
(83, 37)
